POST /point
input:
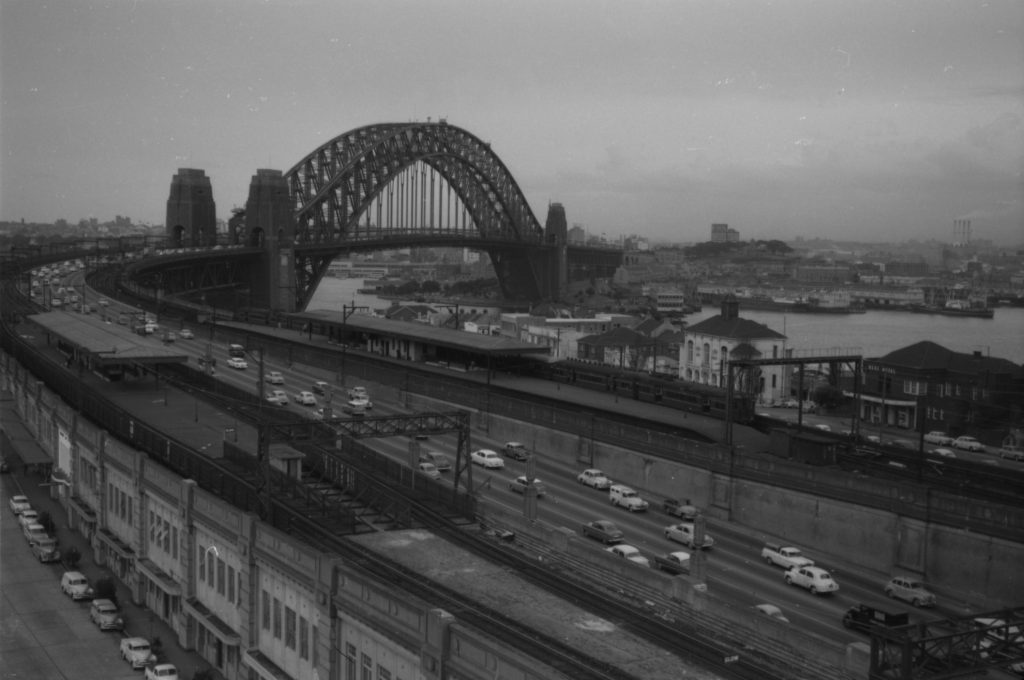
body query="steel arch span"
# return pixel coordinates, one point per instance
(357, 191)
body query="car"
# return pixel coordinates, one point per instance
(237, 362)
(27, 517)
(305, 398)
(19, 504)
(520, 483)
(909, 590)
(943, 452)
(274, 378)
(966, 443)
(489, 459)
(1011, 452)
(771, 611)
(34, 533)
(323, 414)
(683, 509)
(75, 585)
(625, 497)
(785, 556)
(684, 533)
(790, 403)
(594, 478)
(169, 336)
(186, 334)
(162, 671)
(46, 550)
(862, 617)
(629, 552)
(358, 392)
(938, 437)
(362, 401)
(429, 470)
(321, 387)
(104, 302)
(354, 407)
(5, 467)
(901, 444)
(516, 451)
(823, 427)
(105, 614)
(677, 562)
(814, 579)
(440, 461)
(137, 652)
(279, 397)
(603, 530)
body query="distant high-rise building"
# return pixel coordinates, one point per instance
(719, 233)
(577, 235)
(961, 232)
(732, 236)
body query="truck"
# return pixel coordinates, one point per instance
(784, 556)
(861, 617)
(681, 509)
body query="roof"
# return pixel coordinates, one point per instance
(110, 343)
(928, 355)
(420, 332)
(737, 327)
(616, 337)
(744, 350)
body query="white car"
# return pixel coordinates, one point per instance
(966, 443)
(519, 485)
(274, 378)
(278, 397)
(75, 585)
(429, 470)
(305, 398)
(162, 671)
(909, 590)
(593, 477)
(19, 504)
(237, 362)
(944, 452)
(814, 579)
(137, 652)
(362, 401)
(629, 552)
(26, 517)
(186, 334)
(938, 437)
(358, 392)
(684, 533)
(489, 459)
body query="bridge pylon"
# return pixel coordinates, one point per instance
(270, 224)
(191, 211)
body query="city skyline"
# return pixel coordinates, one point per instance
(872, 121)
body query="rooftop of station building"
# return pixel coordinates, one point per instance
(107, 342)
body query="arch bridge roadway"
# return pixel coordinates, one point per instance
(378, 187)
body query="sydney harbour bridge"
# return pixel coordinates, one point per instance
(379, 187)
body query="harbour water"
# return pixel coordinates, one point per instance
(872, 334)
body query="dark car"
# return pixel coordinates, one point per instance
(603, 530)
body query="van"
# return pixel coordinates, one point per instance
(625, 497)
(440, 461)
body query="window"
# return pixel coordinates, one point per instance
(383, 673)
(166, 534)
(231, 584)
(316, 653)
(689, 351)
(130, 514)
(289, 627)
(303, 638)
(152, 527)
(706, 356)
(265, 610)
(220, 576)
(350, 662)
(277, 618)
(202, 563)
(174, 542)
(367, 667)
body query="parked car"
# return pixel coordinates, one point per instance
(237, 362)
(429, 470)
(516, 451)
(594, 478)
(489, 459)
(305, 398)
(771, 611)
(105, 614)
(19, 504)
(625, 497)
(75, 585)
(966, 443)
(677, 562)
(629, 552)
(34, 533)
(520, 483)
(938, 437)
(162, 671)
(603, 530)
(814, 579)
(684, 533)
(274, 378)
(910, 590)
(137, 652)
(45, 550)
(26, 517)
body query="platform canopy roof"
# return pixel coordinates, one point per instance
(106, 342)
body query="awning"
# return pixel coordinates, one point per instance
(158, 576)
(213, 623)
(887, 401)
(264, 667)
(116, 544)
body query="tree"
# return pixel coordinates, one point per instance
(827, 396)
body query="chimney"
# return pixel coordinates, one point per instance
(730, 307)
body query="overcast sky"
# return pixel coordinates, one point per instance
(855, 119)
